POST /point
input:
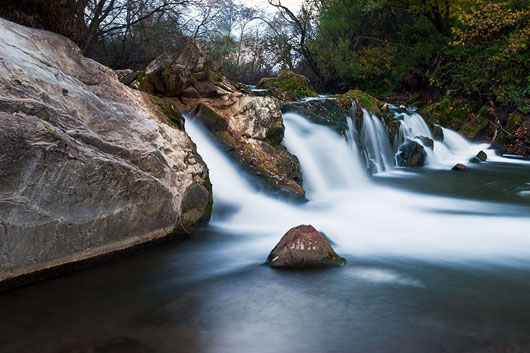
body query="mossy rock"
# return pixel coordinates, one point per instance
(287, 86)
(169, 111)
(362, 99)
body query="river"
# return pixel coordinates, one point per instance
(437, 261)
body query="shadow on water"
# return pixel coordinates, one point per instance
(190, 297)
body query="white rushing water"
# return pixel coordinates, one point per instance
(445, 154)
(376, 146)
(360, 217)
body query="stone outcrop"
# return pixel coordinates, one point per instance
(250, 128)
(287, 87)
(303, 246)
(88, 166)
(127, 76)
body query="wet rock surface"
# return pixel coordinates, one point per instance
(249, 128)
(88, 166)
(324, 112)
(459, 167)
(411, 154)
(303, 246)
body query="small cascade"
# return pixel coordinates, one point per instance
(453, 149)
(375, 145)
(412, 126)
(328, 161)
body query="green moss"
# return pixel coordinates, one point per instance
(48, 127)
(288, 86)
(169, 111)
(372, 104)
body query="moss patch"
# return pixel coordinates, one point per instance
(366, 101)
(169, 111)
(288, 86)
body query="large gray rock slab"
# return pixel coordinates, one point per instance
(88, 166)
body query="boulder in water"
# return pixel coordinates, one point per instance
(411, 154)
(459, 167)
(482, 156)
(303, 246)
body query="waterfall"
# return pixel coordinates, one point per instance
(377, 150)
(328, 161)
(361, 217)
(375, 144)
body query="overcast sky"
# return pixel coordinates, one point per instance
(293, 5)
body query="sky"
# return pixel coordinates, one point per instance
(293, 5)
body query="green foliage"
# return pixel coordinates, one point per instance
(370, 44)
(489, 55)
(478, 50)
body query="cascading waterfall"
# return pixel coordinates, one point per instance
(361, 217)
(378, 152)
(453, 149)
(328, 163)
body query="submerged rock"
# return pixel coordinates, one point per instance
(249, 128)
(411, 154)
(459, 167)
(287, 86)
(88, 166)
(303, 246)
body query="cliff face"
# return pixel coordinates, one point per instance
(88, 166)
